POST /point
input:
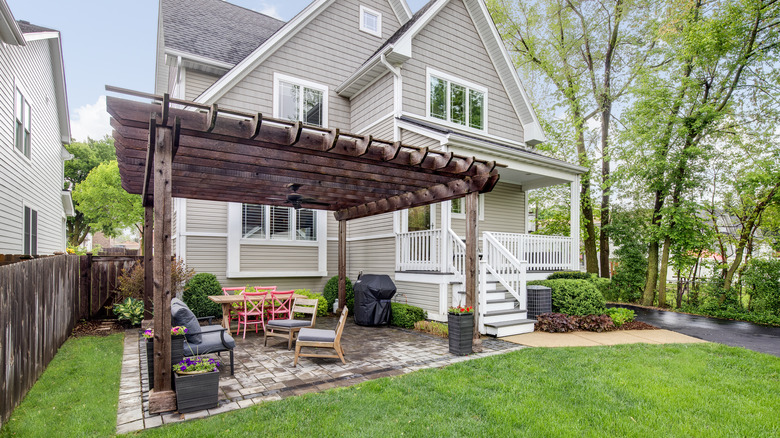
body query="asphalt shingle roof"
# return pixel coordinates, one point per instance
(26, 27)
(403, 29)
(215, 29)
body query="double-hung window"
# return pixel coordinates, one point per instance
(456, 101)
(458, 207)
(22, 115)
(30, 231)
(270, 222)
(300, 100)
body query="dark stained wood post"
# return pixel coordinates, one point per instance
(342, 264)
(472, 244)
(162, 398)
(148, 260)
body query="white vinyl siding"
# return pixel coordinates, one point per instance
(504, 211)
(207, 254)
(206, 216)
(275, 258)
(196, 83)
(370, 226)
(465, 57)
(422, 295)
(37, 181)
(414, 139)
(372, 256)
(373, 103)
(325, 37)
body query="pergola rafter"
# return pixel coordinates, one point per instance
(203, 152)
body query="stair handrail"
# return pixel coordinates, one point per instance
(458, 256)
(501, 263)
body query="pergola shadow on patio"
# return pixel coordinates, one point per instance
(267, 373)
(175, 148)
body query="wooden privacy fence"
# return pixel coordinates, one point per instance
(99, 279)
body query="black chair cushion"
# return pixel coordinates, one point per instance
(182, 315)
(211, 343)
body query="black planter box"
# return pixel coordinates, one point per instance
(177, 354)
(461, 332)
(195, 392)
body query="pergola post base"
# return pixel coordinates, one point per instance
(162, 401)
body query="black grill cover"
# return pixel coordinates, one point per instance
(372, 299)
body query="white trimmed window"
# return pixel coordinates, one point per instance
(22, 115)
(267, 222)
(459, 205)
(300, 100)
(30, 231)
(370, 21)
(456, 101)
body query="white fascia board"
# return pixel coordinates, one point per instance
(401, 10)
(35, 36)
(197, 58)
(67, 204)
(9, 29)
(533, 132)
(60, 87)
(260, 54)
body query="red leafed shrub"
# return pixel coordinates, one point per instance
(594, 323)
(555, 323)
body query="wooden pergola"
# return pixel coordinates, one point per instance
(175, 148)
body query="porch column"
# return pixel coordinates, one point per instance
(148, 260)
(574, 223)
(471, 257)
(342, 264)
(162, 399)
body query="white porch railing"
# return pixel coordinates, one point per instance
(418, 250)
(541, 253)
(458, 249)
(505, 267)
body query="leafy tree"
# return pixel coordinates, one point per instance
(86, 156)
(106, 206)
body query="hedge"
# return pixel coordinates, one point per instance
(322, 302)
(574, 297)
(196, 295)
(332, 292)
(404, 315)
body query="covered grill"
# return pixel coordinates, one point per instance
(372, 299)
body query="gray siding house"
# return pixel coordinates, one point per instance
(440, 78)
(35, 128)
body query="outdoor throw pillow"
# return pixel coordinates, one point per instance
(182, 315)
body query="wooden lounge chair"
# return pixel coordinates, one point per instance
(316, 338)
(287, 328)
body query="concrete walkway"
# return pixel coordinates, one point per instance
(591, 339)
(735, 333)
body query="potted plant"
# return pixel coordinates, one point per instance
(197, 383)
(460, 324)
(177, 349)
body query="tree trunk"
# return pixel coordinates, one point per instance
(652, 274)
(662, 272)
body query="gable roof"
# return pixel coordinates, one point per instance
(215, 29)
(9, 29)
(26, 27)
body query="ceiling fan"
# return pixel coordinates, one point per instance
(297, 200)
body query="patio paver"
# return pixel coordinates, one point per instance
(266, 373)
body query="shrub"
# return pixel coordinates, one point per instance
(332, 292)
(574, 297)
(603, 285)
(555, 323)
(620, 315)
(197, 292)
(404, 315)
(322, 303)
(594, 323)
(762, 279)
(569, 275)
(130, 309)
(131, 284)
(432, 327)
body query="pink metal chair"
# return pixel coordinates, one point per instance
(254, 307)
(281, 305)
(233, 291)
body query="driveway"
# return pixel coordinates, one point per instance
(735, 333)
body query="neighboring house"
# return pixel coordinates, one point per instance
(440, 79)
(33, 132)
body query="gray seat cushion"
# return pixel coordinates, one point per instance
(288, 323)
(182, 315)
(316, 335)
(211, 342)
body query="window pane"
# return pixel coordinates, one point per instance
(420, 218)
(438, 98)
(26, 115)
(458, 104)
(19, 139)
(280, 223)
(305, 225)
(18, 105)
(457, 205)
(26, 230)
(369, 21)
(312, 107)
(253, 221)
(34, 233)
(476, 101)
(289, 101)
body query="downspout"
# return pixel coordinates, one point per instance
(397, 94)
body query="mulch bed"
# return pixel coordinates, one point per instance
(636, 325)
(99, 327)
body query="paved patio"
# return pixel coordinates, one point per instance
(266, 373)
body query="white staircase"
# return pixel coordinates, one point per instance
(502, 314)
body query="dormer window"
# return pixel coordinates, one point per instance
(456, 101)
(370, 21)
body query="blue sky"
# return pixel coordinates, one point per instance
(113, 42)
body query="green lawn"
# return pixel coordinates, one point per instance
(631, 390)
(76, 395)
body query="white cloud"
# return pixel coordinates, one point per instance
(269, 10)
(90, 121)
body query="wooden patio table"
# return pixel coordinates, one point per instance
(227, 302)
